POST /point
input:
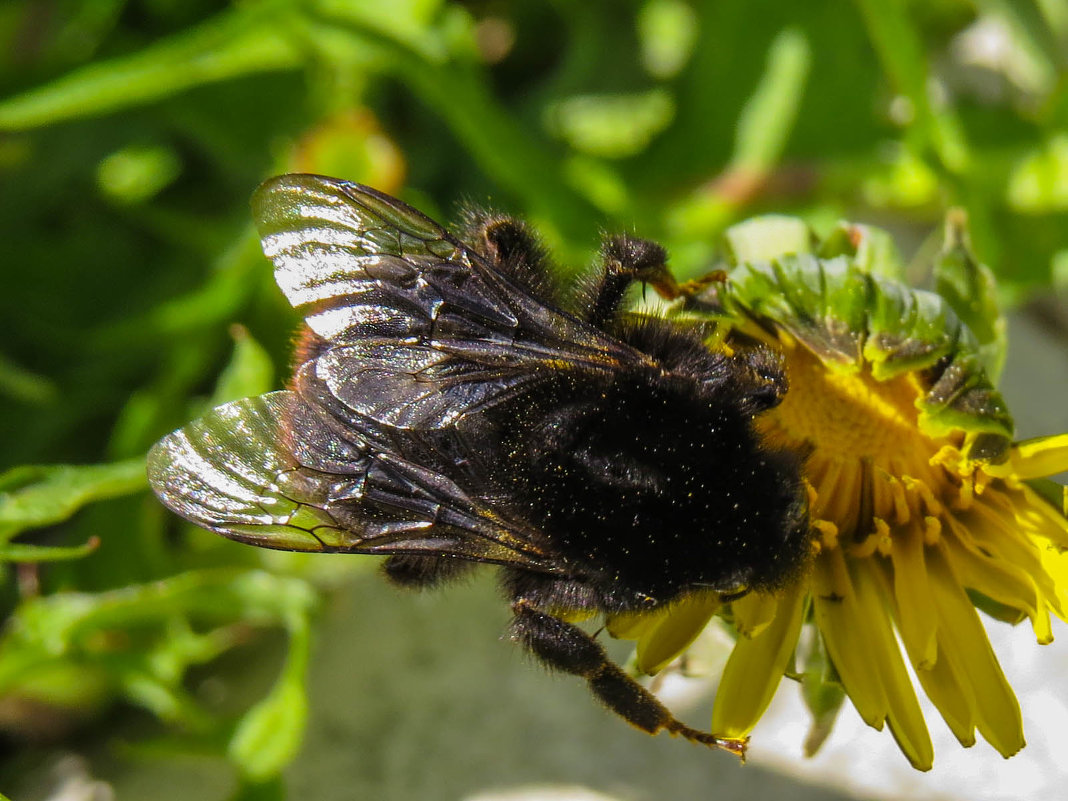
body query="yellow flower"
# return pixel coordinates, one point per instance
(923, 508)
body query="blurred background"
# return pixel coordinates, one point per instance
(143, 658)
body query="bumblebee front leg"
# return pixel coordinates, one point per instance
(625, 260)
(562, 646)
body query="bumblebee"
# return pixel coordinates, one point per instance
(450, 405)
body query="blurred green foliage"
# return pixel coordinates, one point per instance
(132, 133)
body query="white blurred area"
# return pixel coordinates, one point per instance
(866, 763)
(546, 792)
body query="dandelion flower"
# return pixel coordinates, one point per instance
(924, 509)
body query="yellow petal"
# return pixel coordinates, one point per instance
(1043, 516)
(1055, 563)
(940, 680)
(631, 625)
(946, 691)
(999, 534)
(675, 632)
(753, 613)
(912, 594)
(755, 668)
(999, 718)
(1037, 458)
(1000, 581)
(844, 625)
(903, 710)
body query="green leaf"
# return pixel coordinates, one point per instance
(898, 45)
(273, 789)
(667, 31)
(900, 48)
(137, 173)
(769, 115)
(269, 735)
(763, 129)
(1032, 50)
(58, 622)
(611, 125)
(79, 650)
(250, 371)
(492, 135)
(230, 44)
(1038, 183)
(408, 22)
(36, 496)
(46, 553)
(19, 383)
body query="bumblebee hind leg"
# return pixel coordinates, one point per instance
(562, 646)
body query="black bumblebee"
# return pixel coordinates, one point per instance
(449, 406)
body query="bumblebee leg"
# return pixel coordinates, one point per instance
(625, 261)
(562, 646)
(514, 252)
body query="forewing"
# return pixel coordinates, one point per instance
(275, 472)
(362, 265)
(419, 330)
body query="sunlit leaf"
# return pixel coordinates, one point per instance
(250, 371)
(769, 116)
(231, 44)
(611, 125)
(134, 174)
(21, 384)
(46, 553)
(36, 496)
(268, 736)
(137, 642)
(668, 31)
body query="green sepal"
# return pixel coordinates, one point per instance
(969, 288)
(822, 692)
(871, 249)
(908, 330)
(848, 313)
(822, 303)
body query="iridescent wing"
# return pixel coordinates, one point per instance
(362, 265)
(378, 447)
(275, 472)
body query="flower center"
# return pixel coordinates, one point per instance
(847, 414)
(869, 468)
